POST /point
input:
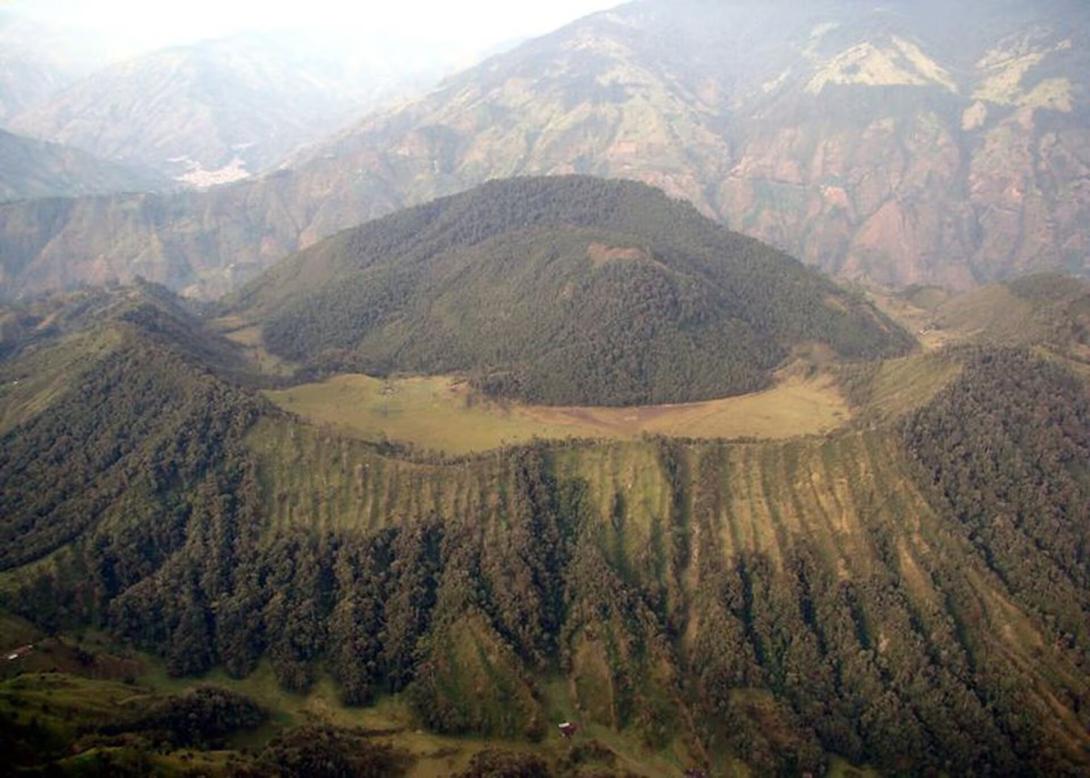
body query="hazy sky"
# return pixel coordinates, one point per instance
(469, 24)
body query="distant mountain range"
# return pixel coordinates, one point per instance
(217, 111)
(34, 169)
(37, 61)
(906, 143)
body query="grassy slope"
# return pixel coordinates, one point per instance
(248, 337)
(880, 392)
(1045, 310)
(825, 491)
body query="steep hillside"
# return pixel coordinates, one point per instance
(892, 595)
(222, 110)
(33, 169)
(565, 290)
(64, 244)
(48, 347)
(871, 143)
(901, 143)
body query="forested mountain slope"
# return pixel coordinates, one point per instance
(109, 404)
(911, 593)
(564, 290)
(901, 143)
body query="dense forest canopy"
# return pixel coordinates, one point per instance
(911, 595)
(563, 291)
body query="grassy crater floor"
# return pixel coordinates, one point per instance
(443, 413)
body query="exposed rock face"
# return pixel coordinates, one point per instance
(914, 142)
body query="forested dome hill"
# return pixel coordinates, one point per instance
(563, 290)
(911, 593)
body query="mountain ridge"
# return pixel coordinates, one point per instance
(205, 113)
(32, 169)
(873, 144)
